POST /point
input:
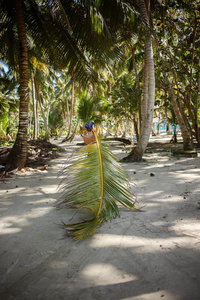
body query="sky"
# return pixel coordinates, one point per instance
(4, 66)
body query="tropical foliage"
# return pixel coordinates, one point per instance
(9, 102)
(96, 60)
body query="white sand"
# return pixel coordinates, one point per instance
(142, 255)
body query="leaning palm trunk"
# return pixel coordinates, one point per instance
(96, 182)
(63, 128)
(74, 131)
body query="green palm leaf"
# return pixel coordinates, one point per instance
(95, 181)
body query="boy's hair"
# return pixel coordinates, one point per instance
(89, 126)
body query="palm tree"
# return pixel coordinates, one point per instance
(18, 154)
(35, 110)
(73, 98)
(148, 90)
(60, 31)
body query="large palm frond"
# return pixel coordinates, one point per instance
(95, 181)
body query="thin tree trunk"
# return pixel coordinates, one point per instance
(187, 141)
(45, 120)
(135, 66)
(37, 119)
(74, 132)
(66, 121)
(37, 89)
(18, 154)
(137, 85)
(167, 122)
(123, 129)
(34, 109)
(63, 128)
(180, 115)
(48, 110)
(107, 130)
(116, 126)
(144, 102)
(181, 118)
(71, 110)
(136, 128)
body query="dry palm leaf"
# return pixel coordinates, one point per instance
(95, 181)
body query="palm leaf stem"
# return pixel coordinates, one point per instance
(101, 172)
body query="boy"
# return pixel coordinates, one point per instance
(89, 137)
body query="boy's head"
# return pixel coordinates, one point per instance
(89, 126)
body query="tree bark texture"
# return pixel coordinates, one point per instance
(71, 110)
(148, 93)
(35, 123)
(187, 141)
(37, 89)
(18, 154)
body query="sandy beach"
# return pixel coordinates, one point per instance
(147, 255)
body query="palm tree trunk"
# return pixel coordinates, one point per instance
(135, 123)
(135, 66)
(48, 110)
(74, 131)
(37, 119)
(137, 87)
(147, 122)
(148, 105)
(37, 89)
(34, 109)
(107, 130)
(71, 110)
(66, 121)
(18, 154)
(63, 128)
(144, 98)
(45, 120)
